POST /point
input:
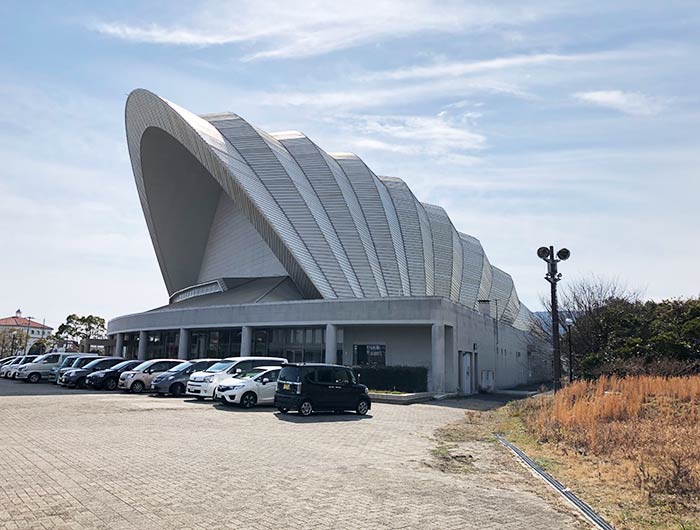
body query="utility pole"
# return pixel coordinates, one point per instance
(26, 340)
(553, 276)
(569, 323)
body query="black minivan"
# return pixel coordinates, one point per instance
(309, 387)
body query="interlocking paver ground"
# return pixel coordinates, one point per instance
(78, 460)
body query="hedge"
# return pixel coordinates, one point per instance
(397, 378)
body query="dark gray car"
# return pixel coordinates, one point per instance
(67, 363)
(79, 362)
(174, 381)
(75, 377)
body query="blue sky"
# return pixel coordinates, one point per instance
(568, 123)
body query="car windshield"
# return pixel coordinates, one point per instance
(180, 367)
(220, 366)
(289, 373)
(82, 361)
(122, 365)
(143, 366)
(68, 361)
(93, 363)
(250, 374)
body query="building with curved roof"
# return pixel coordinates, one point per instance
(269, 245)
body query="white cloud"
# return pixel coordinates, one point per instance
(361, 97)
(300, 28)
(461, 68)
(446, 139)
(632, 103)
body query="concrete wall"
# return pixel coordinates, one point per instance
(501, 351)
(403, 325)
(405, 345)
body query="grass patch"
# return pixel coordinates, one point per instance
(448, 458)
(629, 447)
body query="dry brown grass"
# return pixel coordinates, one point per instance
(647, 427)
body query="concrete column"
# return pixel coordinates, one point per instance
(331, 343)
(183, 346)
(119, 345)
(246, 341)
(143, 344)
(451, 360)
(437, 368)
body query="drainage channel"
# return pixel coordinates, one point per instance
(565, 492)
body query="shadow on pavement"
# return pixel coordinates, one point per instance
(13, 387)
(478, 402)
(241, 410)
(321, 417)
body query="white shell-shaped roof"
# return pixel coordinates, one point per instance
(337, 229)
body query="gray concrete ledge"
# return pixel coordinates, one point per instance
(401, 399)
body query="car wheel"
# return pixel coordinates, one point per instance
(137, 387)
(110, 384)
(249, 400)
(177, 389)
(34, 378)
(283, 410)
(80, 383)
(362, 407)
(306, 408)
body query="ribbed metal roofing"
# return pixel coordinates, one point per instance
(338, 229)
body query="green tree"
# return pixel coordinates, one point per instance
(82, 327)
(615, 331)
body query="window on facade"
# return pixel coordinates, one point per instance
(369, 354)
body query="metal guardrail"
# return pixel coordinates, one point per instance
(565, 492)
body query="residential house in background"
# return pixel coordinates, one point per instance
(18, 334)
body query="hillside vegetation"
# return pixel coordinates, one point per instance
(645, 428)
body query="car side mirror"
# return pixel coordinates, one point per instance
(265, 380)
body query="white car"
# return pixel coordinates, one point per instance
(202, 384)
(9, 371)
(255, 386)
(5, 364)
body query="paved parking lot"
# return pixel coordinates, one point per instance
(77, 460)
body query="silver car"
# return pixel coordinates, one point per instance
(40, 368)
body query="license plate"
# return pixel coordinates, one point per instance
(286, 386)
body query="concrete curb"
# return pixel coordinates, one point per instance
(401, 399)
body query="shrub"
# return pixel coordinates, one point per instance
(653, 423)
(399, 378)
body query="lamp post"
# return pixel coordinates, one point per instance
(26, 340)
(553, 276)
(569, 323)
